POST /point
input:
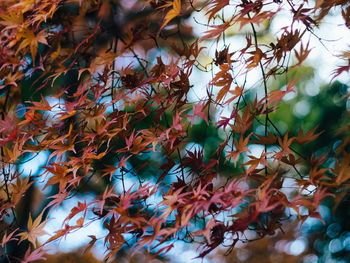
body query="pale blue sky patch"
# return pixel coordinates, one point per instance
(297, 246)
(34, 163)
(301, 108)
(76, 238)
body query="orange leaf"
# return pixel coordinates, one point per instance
(174, 12)
(307, 137)
(72, 113)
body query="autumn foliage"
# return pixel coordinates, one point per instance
(106, 89)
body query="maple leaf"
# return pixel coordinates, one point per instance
(174, 12)
(224, 121)
(111, 169)
(60, 233)
(171, 200)
(198, 110)
(11, 20)
(285, 144)
(255, 161)
(237, 92)
(57, 200)
(216, 6)
(216, 31)
(222, 57)
(241, 147)
(342, 170)
(34, 255)
(11, 79)
(91, 243)
(256, 58)
(222, 79)
(317, 175)
(7, 238)
(35, 230)
(177, 125)
(302, 54)
(291, 160)
(274, 97)
(77, 209)
(302, 138)
(20, 188)
(31, 40)
(88, 38)
(67, 115)
(10, 138)
(242, 124)
(268, 140)
(108, 193)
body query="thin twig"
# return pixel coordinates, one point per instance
(265, 89)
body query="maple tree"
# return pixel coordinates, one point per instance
(120, 75)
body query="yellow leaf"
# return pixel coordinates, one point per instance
(31, 40)
(174, 12)
(12, 20)
(35, 229)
